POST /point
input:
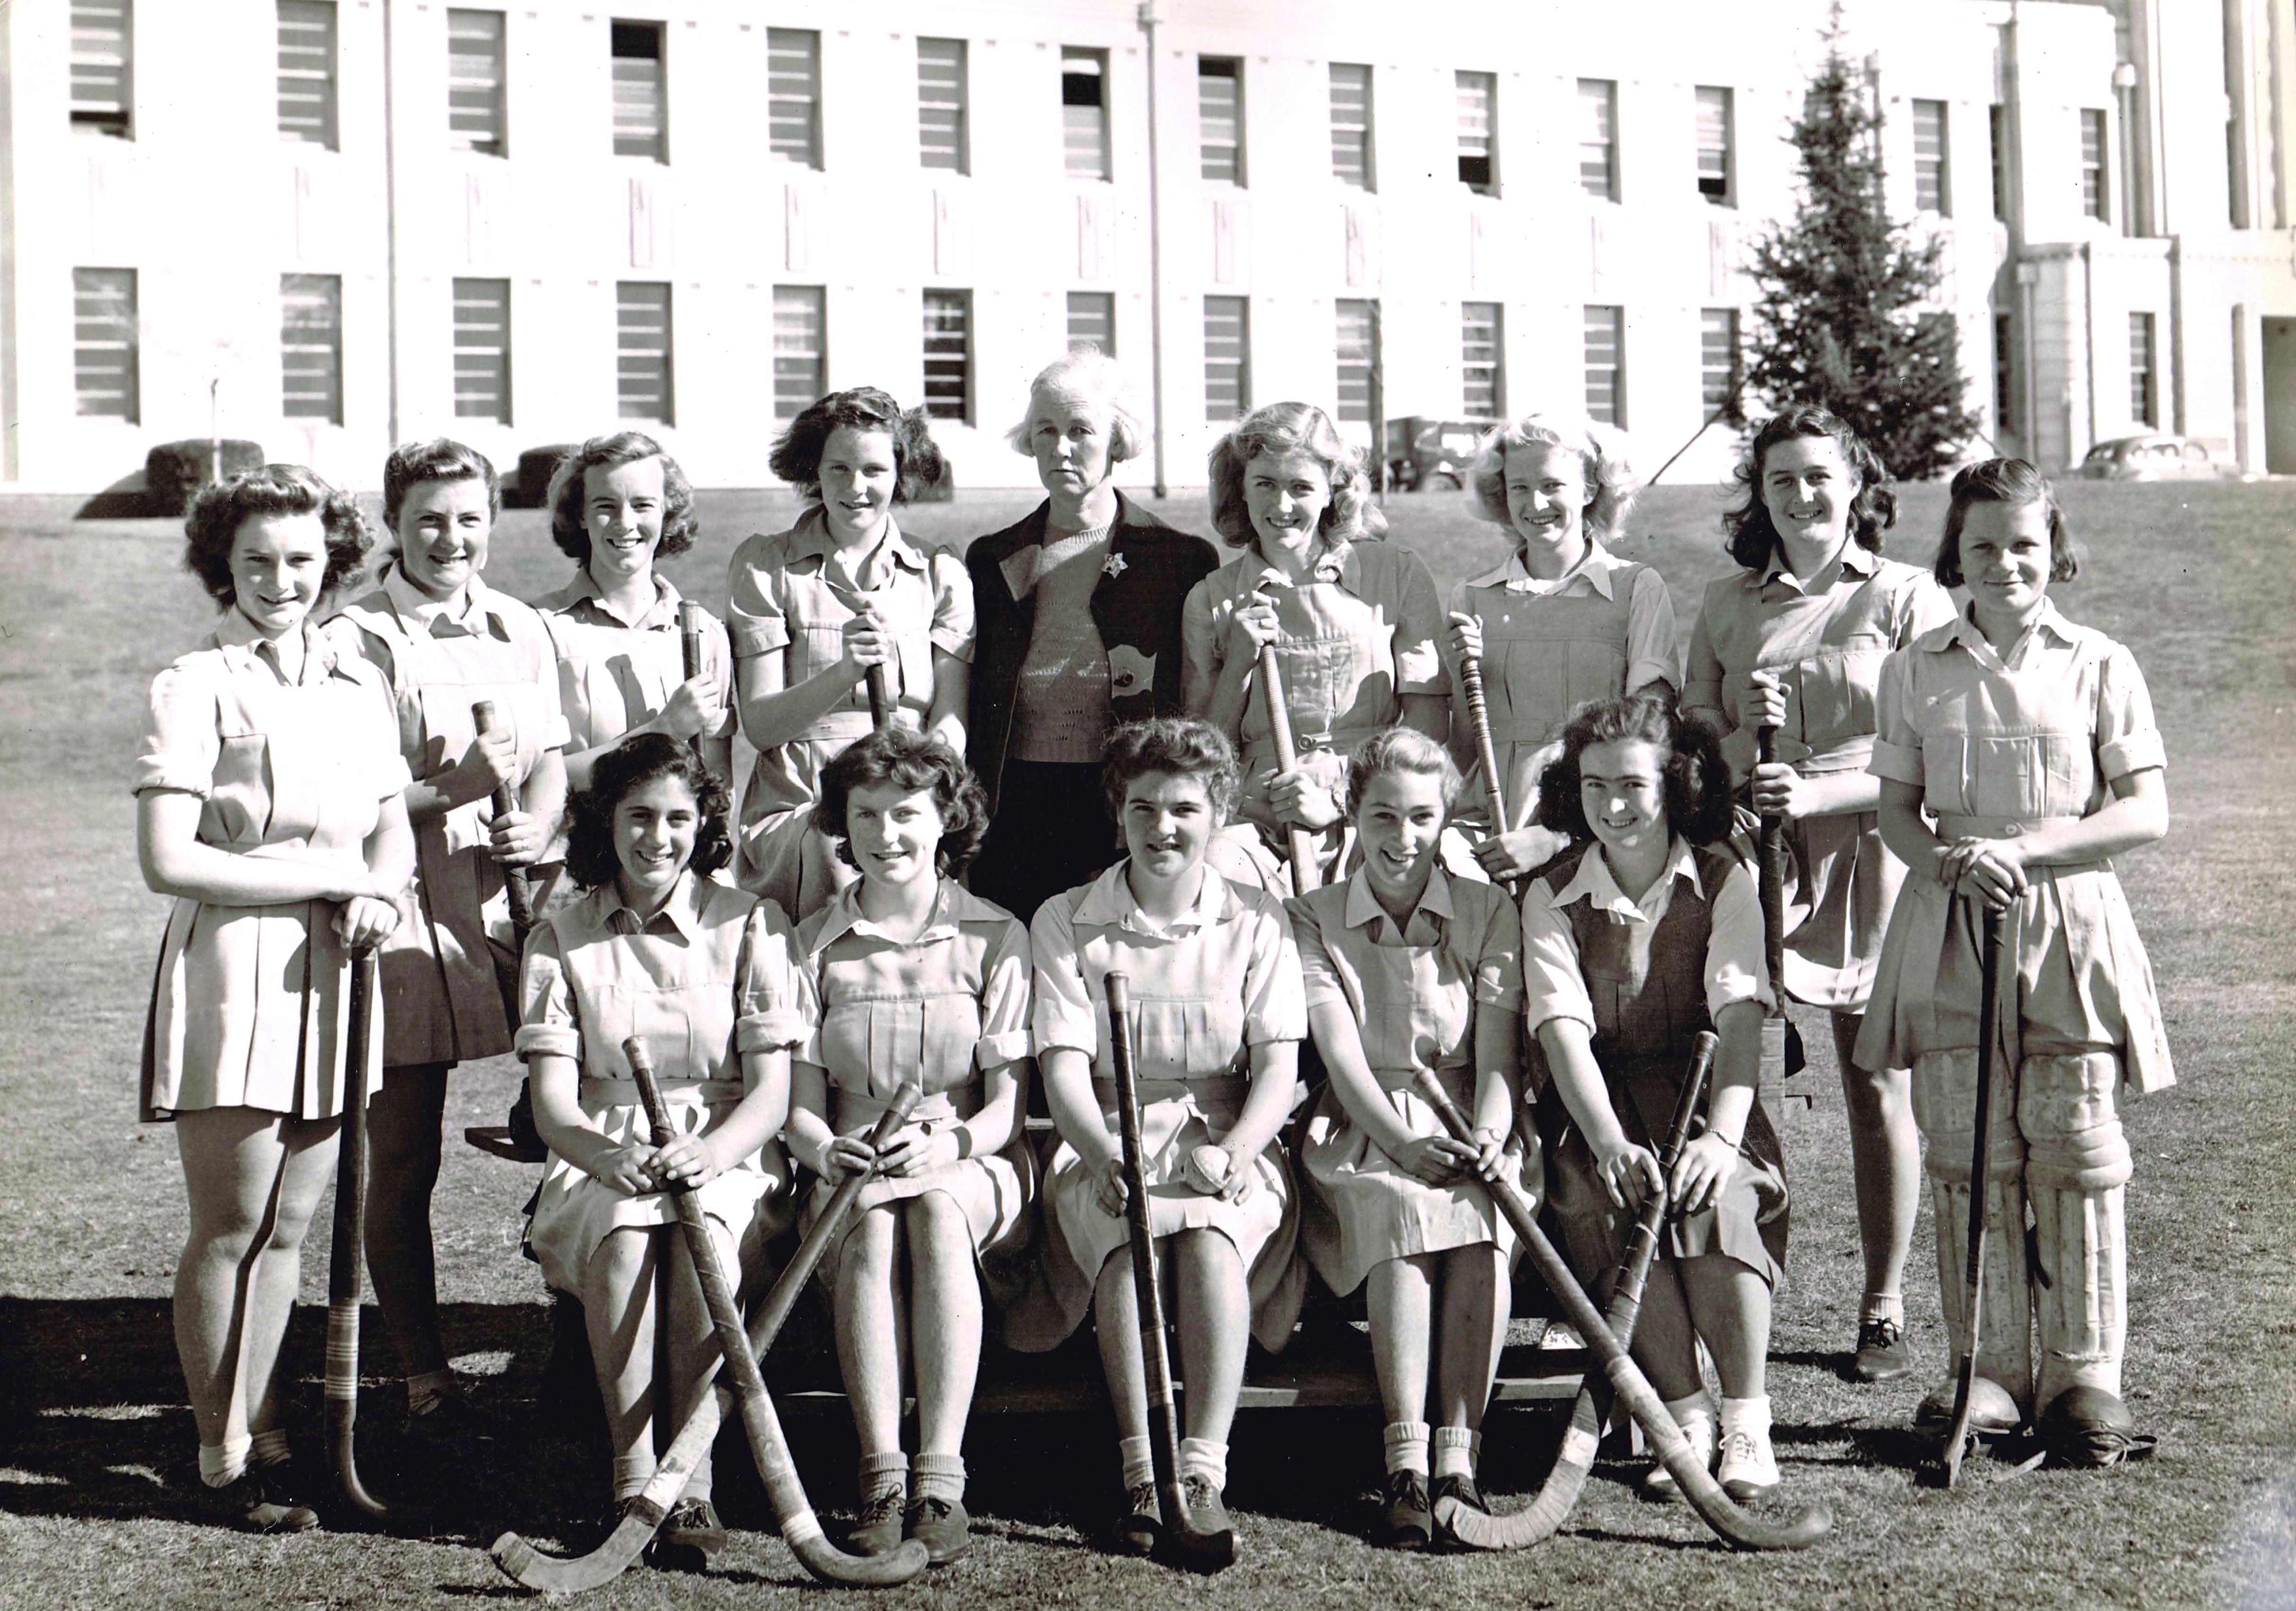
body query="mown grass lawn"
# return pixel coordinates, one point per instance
(94, 1440)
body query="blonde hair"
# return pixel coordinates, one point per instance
(1279, 428)
(1610, 483)
(1400, 750)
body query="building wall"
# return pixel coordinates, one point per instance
(211, 207)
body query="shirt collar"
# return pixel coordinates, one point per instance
(683, 910)
(412, 604)
(1364, 907)
(1336, 563)
(1108, 901)
(814, 540)
(1855, 560)
(1593, 881)
(236, 636)
(953, 906)
(1964, 631)
(583, 593)
(1594, 569)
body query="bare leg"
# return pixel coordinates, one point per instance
(309, 1161)
(1115, 1322)
(1472, 1330)
(1214, 1312)
(618, 1307)
(687, 1332)
(1730, 1305)
(1885, 1158)
(1401, 1301)
(1665, 1345)
(403, 1124)
(944, 1320)
(868, 1328)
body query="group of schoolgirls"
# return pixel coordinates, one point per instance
(1096, 749)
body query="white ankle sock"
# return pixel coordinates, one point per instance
(1693, 1410)
(939, 1476)
(1200, 1457)
(632, 1472)
(884, 1473)
(1406, 1446)
(1139, 1465)
(1883, 1306)
(267, 1447)
(1747, 1414)
(223, 1464)
(1456, 1450)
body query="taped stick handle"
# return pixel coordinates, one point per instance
(789, 1285)
(689, 637)
(1772, 878)
(881, 698)
(516, 886)
(1479, 713)
(1304, 876)
(345, 1267)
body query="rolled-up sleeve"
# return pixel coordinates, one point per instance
(1275, 1001)
(1650, 633)
(2126, 740)
(1498, 961)
(1927, 605)
(1060, 1013)
(1004, 999)
(1419, 666)
(1551, 985)
(755, 621)
(1897, 755)
(1200, 640)
(549, 1023)
(1701, 690)
(772, 1016)
(1319, 970)
(952, 618)
(1736, 970)
(182, 742)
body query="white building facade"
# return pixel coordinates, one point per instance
(330, 224)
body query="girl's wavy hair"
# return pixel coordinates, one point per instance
(1087, 373)
(569, 495)
(629, 766)
(1696, 777)
(1279, 428)
(440, 459)
(1400, 750)
(1610, 483)
(1179, 746)
(913, 764)
(2003, 480)
(212, 526)
(1753, 538)
(917, 463)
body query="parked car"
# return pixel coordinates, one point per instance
(1423, 453)
(174, 471)
(2154, 456)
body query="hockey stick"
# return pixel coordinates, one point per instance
(1470, 687)
(642, 1516)
(1183, 1542)
(344, 1267)
(1559, 1493)
(1730, 1521)
(1304, 876)
(689, 643)
(515, 887)
(1973, 1285)
(1782, 1050)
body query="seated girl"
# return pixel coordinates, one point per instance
(911, 977)
(1408, 969)
(706, 972)
(1645, 932)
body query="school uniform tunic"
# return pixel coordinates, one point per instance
(250, 1005)
(1827, 646)
(1998, 747)
(449, 968)
(788, 600)
(942, 1008)
(1646, 976)
(708, 978)
(1223, 978)
(1415, 990)
(614, 674)
(1604, 626)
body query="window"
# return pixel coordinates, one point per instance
(1351, 126)
(942, 104)
(102, 75)
(2005, 374)
(2094, 201)
(105, 368)
(800, 348)
(1084, 112)
(482, 350)
(1483, 360)
(1933, 182)
(1219, 117)
(1715, 117)
(1227, 359)
(1479, 100)
(1598, 137)
(311, 345)
(793, 94)
(306, 71)
(1606, 372)
(2144, 384)
(1092, 320)
(948, 355)
(1997, 130)
(643, 380)
(477, 118)
(1717, 357)
(1358, 355)
(641, 93)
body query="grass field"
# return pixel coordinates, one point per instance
(94, 1439)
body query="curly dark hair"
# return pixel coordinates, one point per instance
(1753, 539)
(567, 494)
(1697, 777)
(2003, 480)
(1179, 746)
(630, 765)
(439, 459)
(221, 508)
(913, 763)
(1279, 428)
(916, 457)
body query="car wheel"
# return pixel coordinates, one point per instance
(1443, 481)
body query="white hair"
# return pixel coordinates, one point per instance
(1086, 372)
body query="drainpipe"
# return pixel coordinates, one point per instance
(2089, 338)
(1148, 21)
(391, 223)
(2027, 273)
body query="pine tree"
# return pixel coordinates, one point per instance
(1839, 320)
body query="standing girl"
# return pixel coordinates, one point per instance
(1354, 626)
(1796, 642)
(617, 505)
(1218, 1022)
(2031, 741)
(268, 806)
(1561, 621)
(815, 607)
(443, 640)
(1644, 932)
(1408, 969)
(656, 947)
(914, 978)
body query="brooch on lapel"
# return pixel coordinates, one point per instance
(1113, 565)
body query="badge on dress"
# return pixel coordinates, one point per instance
(1129, 671)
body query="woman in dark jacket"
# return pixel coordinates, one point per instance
(1077, 623)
